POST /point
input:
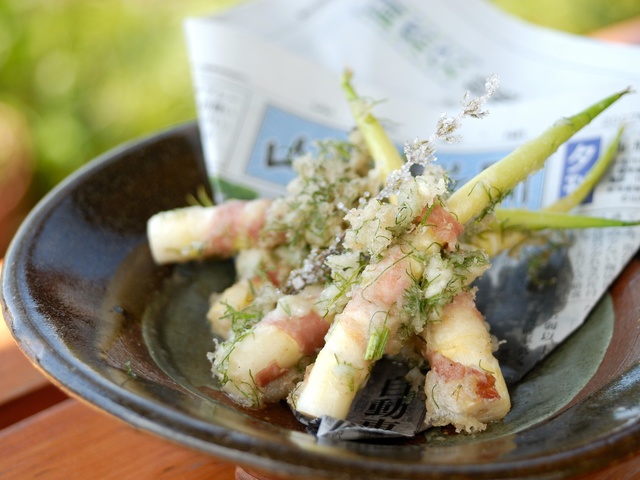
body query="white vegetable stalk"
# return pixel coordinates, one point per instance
(375, 309)
(196, 232)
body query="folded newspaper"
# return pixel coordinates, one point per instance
(266, 81)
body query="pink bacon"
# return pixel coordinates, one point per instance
(308, 331)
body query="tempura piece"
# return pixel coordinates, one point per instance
(196, 232)
(410, 285)
(464, 387)
(363, 250)
(262, 364)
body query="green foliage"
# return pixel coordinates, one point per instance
(87, 75)
(575, 16)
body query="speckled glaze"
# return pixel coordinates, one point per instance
(88, 306)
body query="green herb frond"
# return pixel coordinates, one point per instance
(241, 319)
(378, 340)
(336, 149)
(425, 216)
(422, 308)
(484, 369)
(495, 197)
(433, 396)
(250, 390)
(456, 392)
(344, 283)
(228, 346)
(404, 215)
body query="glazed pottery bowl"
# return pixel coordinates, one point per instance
(88, 306)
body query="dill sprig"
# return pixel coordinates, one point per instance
(377, 343)
(446, 275)
(242, 319)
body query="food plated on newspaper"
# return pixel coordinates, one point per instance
(371, 256)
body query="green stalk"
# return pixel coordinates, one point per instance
(522, 219)
(510, 226)
(590, 180)
(384, 153)
(479, 195)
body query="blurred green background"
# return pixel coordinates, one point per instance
(78, 77)
(573, 16)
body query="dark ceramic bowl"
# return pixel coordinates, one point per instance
(88, 306)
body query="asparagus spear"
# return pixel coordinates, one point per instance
(555, 220)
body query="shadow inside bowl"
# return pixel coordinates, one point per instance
(178, 337)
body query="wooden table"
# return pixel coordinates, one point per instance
(45, 434)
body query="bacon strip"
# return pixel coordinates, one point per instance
(465, 386)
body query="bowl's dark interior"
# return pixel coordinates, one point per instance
(88, 305)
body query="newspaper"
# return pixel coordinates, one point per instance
(266, 79)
